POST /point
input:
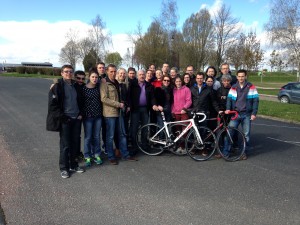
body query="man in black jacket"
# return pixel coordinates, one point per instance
(202, 96)
(140, 96)
(64, 109)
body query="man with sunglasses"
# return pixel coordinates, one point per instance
(80, 77)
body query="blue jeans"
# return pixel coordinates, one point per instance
(138, 117)
(117, 123)
(244, 120)
(92, 127)
(69, 143)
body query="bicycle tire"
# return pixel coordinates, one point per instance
(198, 151)
(181, 141)
(143, 139)
(231, 144)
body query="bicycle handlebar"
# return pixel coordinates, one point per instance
(199, 114)
(236, 114)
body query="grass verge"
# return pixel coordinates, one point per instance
(279, 110)
(268, 91)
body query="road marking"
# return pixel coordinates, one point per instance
(290, 142)
(268, 125)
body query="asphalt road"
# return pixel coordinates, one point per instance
(164, 190)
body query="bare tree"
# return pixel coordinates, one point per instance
(99, 37)
(85, 46)
(70, 54)
(168, 19)
(284, 26)
(226, 30)
(197, 36)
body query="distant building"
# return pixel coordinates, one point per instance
(37, 64)
(8, 66)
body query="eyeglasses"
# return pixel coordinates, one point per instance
(80, 78)
(68, 71)
(167, 80)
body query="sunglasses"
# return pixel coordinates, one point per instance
(79, 78)
(167, 80)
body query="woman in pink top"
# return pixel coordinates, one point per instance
(182, 101)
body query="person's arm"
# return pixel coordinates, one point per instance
(255, 97)
(188, 100)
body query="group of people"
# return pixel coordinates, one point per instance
(118, 101)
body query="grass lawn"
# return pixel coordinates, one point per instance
(279, 110)
(268, 91)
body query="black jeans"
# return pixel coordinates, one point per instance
(139, 117)
(69, 144)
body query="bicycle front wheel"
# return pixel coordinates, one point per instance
(201, 151)
(149, 141)
(231, 143)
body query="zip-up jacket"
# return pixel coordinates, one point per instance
(252, 98)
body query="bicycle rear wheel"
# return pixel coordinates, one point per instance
(231, 143)
(147, 139)
(201, 151)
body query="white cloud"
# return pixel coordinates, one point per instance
(214, 8)
(41, 41)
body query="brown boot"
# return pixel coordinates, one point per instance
(117, 153)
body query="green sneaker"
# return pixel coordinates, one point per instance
(98, 160)
(88, 162)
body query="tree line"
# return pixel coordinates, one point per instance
(204, 39)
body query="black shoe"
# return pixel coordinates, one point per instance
(64, 174)
(77, 170)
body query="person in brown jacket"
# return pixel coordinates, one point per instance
(112, 105)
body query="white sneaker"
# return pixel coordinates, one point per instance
(181, 151)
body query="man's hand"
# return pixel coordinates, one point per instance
(183, 111)
(160, 108)
(253, 117)
(121, 105)
(155, 108)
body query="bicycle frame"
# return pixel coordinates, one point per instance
(190, 125)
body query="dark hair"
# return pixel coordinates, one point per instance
(186, 74)
(79, 72)
(100, 63)
(178, 77)
(200, 73)
(209, 77)
(66, 66)
(242, 71)
(189, 66)
(131, 69)
(111, 66)
(211, 67)
(151, 65)
(93, 70)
